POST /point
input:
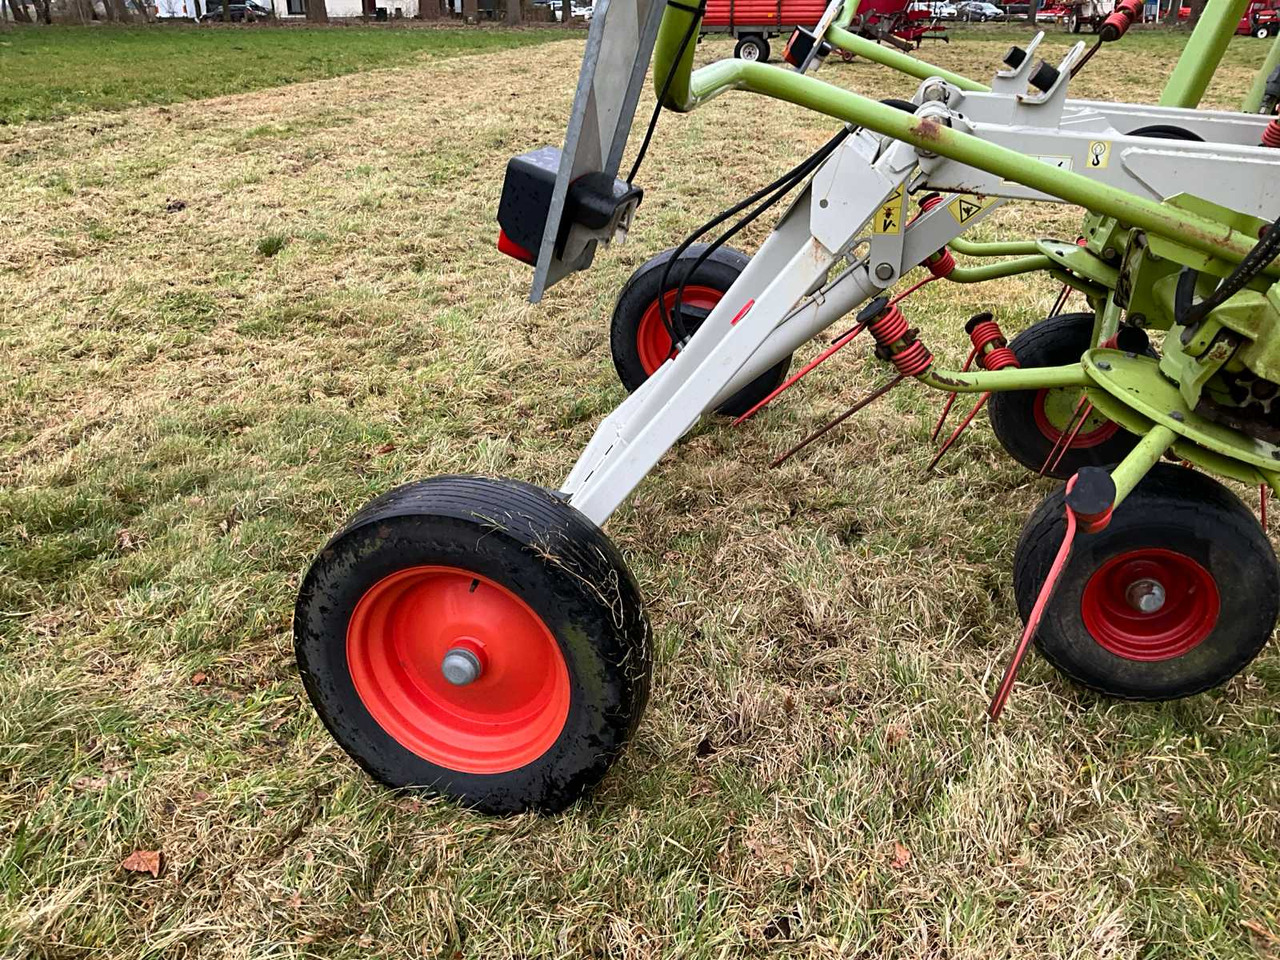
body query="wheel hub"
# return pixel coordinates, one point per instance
(461, 666)
(458, 669)
(1150, 604)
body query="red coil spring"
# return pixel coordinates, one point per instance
(1126, 13)
(988, 333)
(891, 327)
(1271, 135)
(888, 327)
(941, 263)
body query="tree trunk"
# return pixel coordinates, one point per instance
(1197, 8)
(566, 13)
(44, 13)
(317, 12)
(1032, 9)
(470, 12)
(514, 13)
(20, 14)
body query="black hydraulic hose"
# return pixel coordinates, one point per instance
(770, 194)
(700, 9)
(1254, 262)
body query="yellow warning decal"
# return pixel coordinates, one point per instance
(889, 217)
(1099, 153)
(965, 209)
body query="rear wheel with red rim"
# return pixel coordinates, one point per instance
(480, 638)
(1028, 423)
(1175, 596)
(639, 338)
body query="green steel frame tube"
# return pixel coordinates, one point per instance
(1139, 461)
(1253, 99)
(1003, 268)
(689, 89)
(1010, 378)
(1202, 54)
(838, 36)
(994, 248)
(896, 59)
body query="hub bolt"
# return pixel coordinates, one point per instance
(1145, 595)
(461, 667)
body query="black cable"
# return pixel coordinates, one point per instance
(779, 188)
(666, 84)
(1254, 262)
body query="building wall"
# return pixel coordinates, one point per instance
(350, 8)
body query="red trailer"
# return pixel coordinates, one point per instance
(755, 22)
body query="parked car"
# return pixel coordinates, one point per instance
(940, 11)
(979, 11)
(237, 11)
(579, 11)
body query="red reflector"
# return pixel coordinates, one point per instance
(743, 312)
(513, 249)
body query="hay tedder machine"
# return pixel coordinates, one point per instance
(483, 637)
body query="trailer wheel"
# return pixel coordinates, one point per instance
(1175, 596)
(640, 342)
(478, 638)
(752, 48)
(1029, 422)
(1261, 31)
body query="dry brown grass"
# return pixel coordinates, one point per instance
(183, 420)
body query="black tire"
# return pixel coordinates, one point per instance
(1175, 515)
(752, 48)
(632, 323)
(518, 541)
(1022, 420)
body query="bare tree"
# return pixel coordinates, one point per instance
(470, 11)
(1197, 8)
(43, 11)
(317, 12)
(20, 14)
(1033, 8)
(514, 13)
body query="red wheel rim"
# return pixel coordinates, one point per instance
(1187, 615)
(1087, 437)
(396, 643)
(653, 343)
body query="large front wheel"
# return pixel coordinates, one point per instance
(478, 638)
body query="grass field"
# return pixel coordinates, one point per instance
(225, 325)
(47, 73)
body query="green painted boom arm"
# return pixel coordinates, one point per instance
(688, 89)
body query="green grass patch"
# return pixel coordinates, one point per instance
(48, 73)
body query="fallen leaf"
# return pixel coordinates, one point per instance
(144, 861)
(199, 677)
(127, 540)
(1260, 930)
(895, 734)
(901, 856)
(385, 448)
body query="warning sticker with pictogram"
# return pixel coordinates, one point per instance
(1099, 153)
(965, 209)
(888, 218)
